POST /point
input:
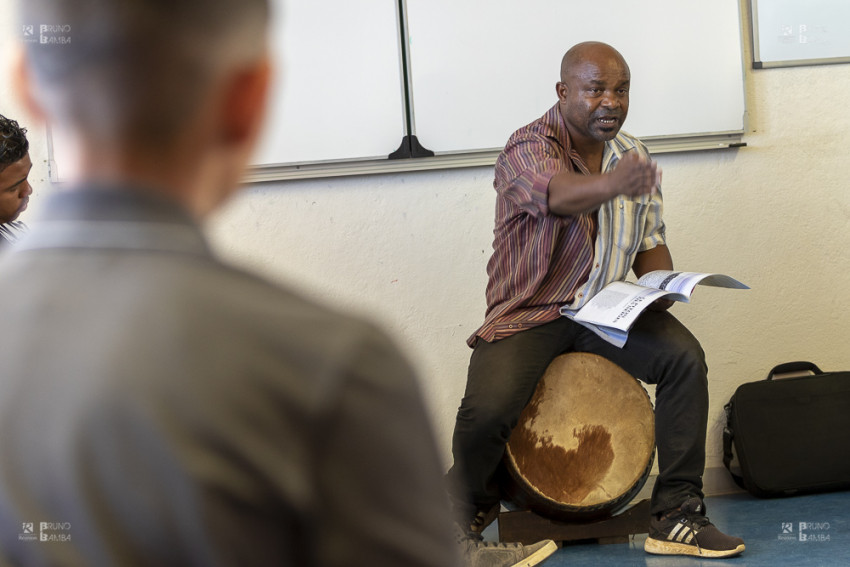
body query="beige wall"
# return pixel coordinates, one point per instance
(409, 250)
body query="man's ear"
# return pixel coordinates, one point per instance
(562, 90)
(245, 102)
(22, 84)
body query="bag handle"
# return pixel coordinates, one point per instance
(728, 438)
(799, 366)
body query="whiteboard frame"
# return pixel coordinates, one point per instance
(483, 158)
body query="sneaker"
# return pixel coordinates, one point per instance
(686, 531)
(483, 518)
(477, 553)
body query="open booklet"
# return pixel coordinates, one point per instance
(612, 312)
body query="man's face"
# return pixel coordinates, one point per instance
(15, 190)
(594, 99)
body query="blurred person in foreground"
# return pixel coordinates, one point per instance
(159, 407)
(15, 190)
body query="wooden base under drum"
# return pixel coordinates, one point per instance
(526, 527)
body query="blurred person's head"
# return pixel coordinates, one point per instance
(167, 94)
(15, 167)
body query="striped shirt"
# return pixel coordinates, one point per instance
(11, 232)
(542, 261)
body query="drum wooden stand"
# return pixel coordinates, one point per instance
(581, 451)
(524, 526)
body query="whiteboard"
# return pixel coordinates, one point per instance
(795, 32)
(480, 69)
(476, 70)
(338, 92)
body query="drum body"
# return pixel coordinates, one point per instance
(585, 443)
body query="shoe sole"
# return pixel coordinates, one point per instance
(538, 556)
(660, 547)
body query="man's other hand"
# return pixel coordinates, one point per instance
(635, 175)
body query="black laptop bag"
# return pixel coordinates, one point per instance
(790, 435)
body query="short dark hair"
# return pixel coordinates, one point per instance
(13, 142)
(136, 68)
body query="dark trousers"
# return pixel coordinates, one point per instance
(503, 375)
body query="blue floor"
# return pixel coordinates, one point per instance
(802, 531)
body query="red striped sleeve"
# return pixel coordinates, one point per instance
(539, 260)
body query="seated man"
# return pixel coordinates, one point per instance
(578, 205)
(15, 190)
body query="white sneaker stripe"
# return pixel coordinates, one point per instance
(673, 533)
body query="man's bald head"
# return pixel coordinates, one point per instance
(587, 51)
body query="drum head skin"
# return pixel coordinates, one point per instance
(584, 444)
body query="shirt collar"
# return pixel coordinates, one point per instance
(114, 217)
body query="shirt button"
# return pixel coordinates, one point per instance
(581, 295)
(519, 326)
(510, 326)
(621, 205)
(597, 264)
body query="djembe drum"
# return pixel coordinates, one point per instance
(585, 443)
